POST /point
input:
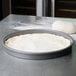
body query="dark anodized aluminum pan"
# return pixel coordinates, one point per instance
(38, 56)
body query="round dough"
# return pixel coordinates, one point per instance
(64, 26)
(37, 42)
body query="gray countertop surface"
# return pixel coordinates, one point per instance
(12, 66)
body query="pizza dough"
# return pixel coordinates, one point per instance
(37, 42)
(64, 26)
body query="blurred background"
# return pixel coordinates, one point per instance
(47, 8)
